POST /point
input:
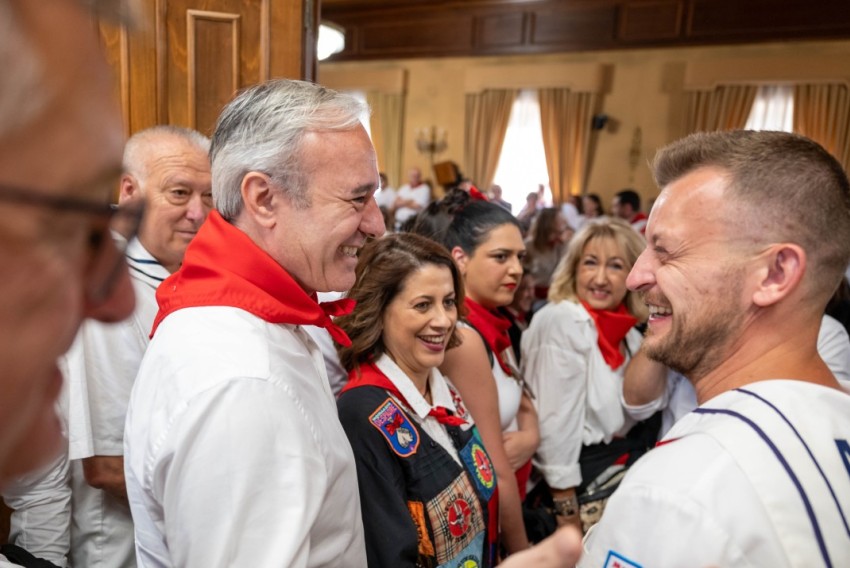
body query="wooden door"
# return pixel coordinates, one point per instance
(186, 58)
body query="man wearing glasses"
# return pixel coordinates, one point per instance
(168, 168)
(60, 158)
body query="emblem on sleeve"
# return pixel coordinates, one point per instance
(614, 560)
(396, 428)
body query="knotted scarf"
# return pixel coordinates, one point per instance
(611, 328)
(224, 267)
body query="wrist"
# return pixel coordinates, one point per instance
(566, 506)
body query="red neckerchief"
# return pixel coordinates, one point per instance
(493, 328)
(611, 328)
(370, 375)
(224, 267)
(476, 194)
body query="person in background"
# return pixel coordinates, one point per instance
(233, 452)
(529, 211)
(386, 200)
(496, 197)
(167, 167)
(411, 198)
(518, 312)
(626, 205)
(574, 354)
(425, 479)
(592, 207)
(486, 243)
(545, 246)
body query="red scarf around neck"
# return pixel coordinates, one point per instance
(611, 328)
(369, 375)
(493, 328)
(224, 267)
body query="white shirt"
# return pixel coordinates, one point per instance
(680, 398)
(421, 194)
(416, 403)
(577, 395)
(102, 370)
(720, 495)
(386, 197)
(234, 455)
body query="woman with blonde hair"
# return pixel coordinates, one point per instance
(574, 354)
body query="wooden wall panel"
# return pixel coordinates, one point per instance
(653, 20)
(501, 27)
(186, 58)
(213, 71)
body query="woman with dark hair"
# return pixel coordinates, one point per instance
(485, 242)
(592, 206)
(574, 354)
(425, 479)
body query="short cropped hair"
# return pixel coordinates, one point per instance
(136, 149)
(628, 241)
(262, 130)
(629, 197)
(382, 270)
(784, 188)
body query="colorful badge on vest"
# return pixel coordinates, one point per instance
(396, 428)
(478, 463)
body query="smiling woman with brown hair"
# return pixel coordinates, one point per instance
(425, 479)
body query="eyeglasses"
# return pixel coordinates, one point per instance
(107, 237)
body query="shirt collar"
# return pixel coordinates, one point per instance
(440, 394)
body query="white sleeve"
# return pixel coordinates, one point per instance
(111, 356)
(421, 195)
(554, 358)
(241, 479)
(647, 526)
(41, 521)
(834, 349)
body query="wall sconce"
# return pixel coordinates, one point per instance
(431, 141)
(331, 40)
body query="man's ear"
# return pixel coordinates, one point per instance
(128, 189)
(461, 258)
(259, 199)
(783, 269)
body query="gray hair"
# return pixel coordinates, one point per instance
(25, 93)
(262, 130)
(138, 146)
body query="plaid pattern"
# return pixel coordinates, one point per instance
(456, 519)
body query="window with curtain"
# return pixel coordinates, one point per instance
(522, 161)
(773, 109)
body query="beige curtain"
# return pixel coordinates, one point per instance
(725, 108)
(487, 115)
(566, 120)
(386, 124)
(822, 112)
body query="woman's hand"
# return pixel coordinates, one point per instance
(519, 446)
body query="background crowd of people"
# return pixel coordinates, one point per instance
(477, 379)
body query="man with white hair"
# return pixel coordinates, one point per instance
(168, 168)
(234, 453)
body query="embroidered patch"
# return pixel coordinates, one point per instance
(396, 428)
(470, 557)
(478, 463)
(456, 520)
(417, 513)
(614, 560)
